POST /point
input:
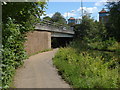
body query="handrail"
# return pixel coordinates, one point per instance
(55, 25)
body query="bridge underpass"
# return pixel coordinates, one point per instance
(60, 36)
(47, 36)
(57, 42)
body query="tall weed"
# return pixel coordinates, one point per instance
(82, 70)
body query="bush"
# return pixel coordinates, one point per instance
(82, 70)
(103, 44)
(90, 30)
(13, 51)
(25, 16)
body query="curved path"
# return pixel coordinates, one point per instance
(39, 72)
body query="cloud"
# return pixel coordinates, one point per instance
(88, 9)
(80, 17)
(97, 17)
(76, 13)
(100, 3)
(73, 11)
(69, 14)
(50, 15)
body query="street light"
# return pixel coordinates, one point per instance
(82, 8)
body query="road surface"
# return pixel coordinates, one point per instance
(39, 72)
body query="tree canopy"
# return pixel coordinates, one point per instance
(114, 19)
(57, 17)
(21, 11)
(90, 30)
(18, 18)
(25, 13)
(47, 18)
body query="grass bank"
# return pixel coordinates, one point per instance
(83, 67)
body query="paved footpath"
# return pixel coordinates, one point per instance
(39, 72)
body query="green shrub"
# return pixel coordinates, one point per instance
(25, 16)
(13, 51)
(82, 70)
(103, 44)
(90, 30)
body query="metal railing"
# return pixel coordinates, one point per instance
(56, 26)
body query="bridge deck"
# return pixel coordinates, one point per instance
(53, 29)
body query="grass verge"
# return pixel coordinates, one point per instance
(40, 52)
(87, 68)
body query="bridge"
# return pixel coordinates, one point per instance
(57, 30)
(45, 34)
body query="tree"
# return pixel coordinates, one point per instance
(25, 13)
(21, 11)
(114, 19)
(18, 19)
(57, 17)
(90, 30)
(47, 18)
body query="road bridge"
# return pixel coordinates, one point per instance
(40, 38)
(57, 30)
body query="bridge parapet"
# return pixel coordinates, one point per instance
(54, 27)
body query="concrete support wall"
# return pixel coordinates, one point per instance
(37, 41)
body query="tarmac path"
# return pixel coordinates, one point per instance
(38, 72)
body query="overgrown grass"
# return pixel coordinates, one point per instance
(82, 67)
(40, 52)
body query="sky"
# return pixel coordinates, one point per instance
(73, 8)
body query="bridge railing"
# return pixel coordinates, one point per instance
(58, 26)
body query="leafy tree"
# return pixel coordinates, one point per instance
(90, 30)
(57, 17)
(47, 18)
(18, 19)
(25, 13)
(22, 10)
(114, 19)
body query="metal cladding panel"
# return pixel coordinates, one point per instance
(103, 14)
(71, 21)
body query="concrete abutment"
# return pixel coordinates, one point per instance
(37, 41)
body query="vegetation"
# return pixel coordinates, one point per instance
(47, 18)
(40, 52)
(90, 30)
(83, 68)
(114, 19)
(18, 19)
(58, 18)
(92, 59)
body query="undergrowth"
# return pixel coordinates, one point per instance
(82, 67)
(13, 51)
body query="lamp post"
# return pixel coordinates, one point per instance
(67, 17)
(82, 8)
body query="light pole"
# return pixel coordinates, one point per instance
(82, 8)
(67, 17)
